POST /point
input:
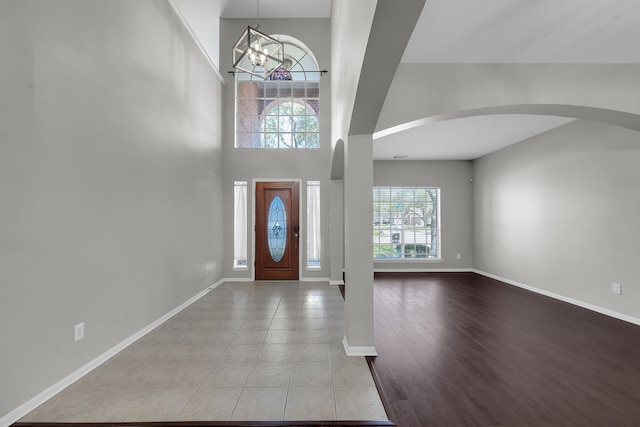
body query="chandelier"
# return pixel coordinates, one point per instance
(256, 53)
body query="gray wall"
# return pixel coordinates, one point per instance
(425, 90)
(248, 164)
(456, 195)
(559, 212)
(109, 180)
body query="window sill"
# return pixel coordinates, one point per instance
(313, 268)
(240, 268)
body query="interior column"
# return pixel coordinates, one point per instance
(358, 202)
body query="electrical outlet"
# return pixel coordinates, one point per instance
(616, 288)
(78, 332)
(459, 256)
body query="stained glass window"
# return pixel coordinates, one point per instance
(280, 74)
(277, 228)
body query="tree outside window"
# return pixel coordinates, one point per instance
(290, 124)
(406, 223)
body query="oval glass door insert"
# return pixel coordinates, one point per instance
(277, 228)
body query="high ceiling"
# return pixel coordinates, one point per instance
(275, 8)
(526, 31)
(472, 31)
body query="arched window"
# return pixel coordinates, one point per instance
(282, 111)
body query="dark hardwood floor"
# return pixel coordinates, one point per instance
(460, 349)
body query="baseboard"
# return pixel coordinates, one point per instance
(56, 388)
(302, 279)
(336, 282)
(314, 279)
(423, 270)
(238, 279)
(358, 351)
(597, 309)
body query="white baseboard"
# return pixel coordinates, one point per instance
(302, 279)
(563, 298)
(314, 279)
(358, 351)
(423, 270)
(336, 282)
(238, 279)
(56, 388)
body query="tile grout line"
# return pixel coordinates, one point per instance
(198, 386)
(86, 406)
(253, 362)
(293, 355)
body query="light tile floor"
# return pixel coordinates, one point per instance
(244, 351)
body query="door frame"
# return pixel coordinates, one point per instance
(302, 220)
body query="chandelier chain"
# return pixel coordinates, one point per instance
(257, 14)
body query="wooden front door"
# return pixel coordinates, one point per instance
(277, 230)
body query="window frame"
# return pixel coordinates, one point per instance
(402, 250)
(255, 101)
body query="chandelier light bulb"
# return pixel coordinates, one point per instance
(258, 60)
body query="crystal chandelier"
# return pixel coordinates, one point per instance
(256, 53)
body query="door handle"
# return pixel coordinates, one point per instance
(295, 230)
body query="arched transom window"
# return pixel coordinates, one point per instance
(282, 111)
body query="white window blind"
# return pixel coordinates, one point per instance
(406, 223)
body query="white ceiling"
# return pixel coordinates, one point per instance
(463, 138)
(473, 31)
(275, 8)
(526, 31)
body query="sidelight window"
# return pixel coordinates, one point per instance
(313, 224)
(240, 225)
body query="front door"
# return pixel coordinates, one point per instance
(277, 230)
